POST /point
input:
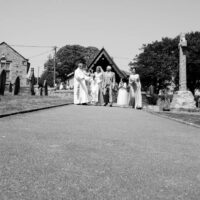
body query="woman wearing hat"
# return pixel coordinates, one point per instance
(135, 89)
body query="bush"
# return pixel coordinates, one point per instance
(2, 82)
(17, 86)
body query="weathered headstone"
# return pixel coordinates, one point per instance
(183, 99)
(45, 88)
(32, 82)
(2, 82)
(17, 86)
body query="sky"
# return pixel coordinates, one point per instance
(120, 26)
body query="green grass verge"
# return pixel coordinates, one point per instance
(10, 104)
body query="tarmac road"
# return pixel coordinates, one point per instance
(87, 152)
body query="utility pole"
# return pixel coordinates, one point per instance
(38, 76)
(54, 67)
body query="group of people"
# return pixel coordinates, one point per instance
(97, 88)
(129, 93)
(63, 86)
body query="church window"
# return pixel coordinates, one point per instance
(24, 63)
(3, 65)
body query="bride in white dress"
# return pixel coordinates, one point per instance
(135, 90)
(97, 88)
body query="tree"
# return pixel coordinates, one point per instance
(67, 58)
(158, 63)
(48, 76)
(193, 60)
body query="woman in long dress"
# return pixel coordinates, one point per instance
(93, 89)
(135, 90)
(98, 80)
(122, 98)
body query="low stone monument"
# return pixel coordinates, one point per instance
(182, 99)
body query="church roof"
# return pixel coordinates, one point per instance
(103, 52)
(126, 73)
(16, 52)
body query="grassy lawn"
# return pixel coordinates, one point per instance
(187, 117)
(10, 104)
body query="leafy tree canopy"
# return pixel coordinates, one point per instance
(158, 63)
(67, 58)
(48, 76)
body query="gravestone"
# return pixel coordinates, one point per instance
(17, 86)
(182, 99)
(2, 82)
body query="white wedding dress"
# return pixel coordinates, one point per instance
(135, 91)
(122, 98)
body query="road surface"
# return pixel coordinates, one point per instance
(87, 152)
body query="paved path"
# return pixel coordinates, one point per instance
(81, 152)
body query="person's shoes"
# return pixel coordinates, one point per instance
(105, 104)
(84, 104)
(110, 104)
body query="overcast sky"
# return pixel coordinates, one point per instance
(121, 26)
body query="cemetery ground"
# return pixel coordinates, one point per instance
(10, 104)
(191, 118)
(91, 152)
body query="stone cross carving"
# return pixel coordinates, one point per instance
(182, 64)
(182, 99)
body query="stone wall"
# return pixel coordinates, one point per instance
(61, 93)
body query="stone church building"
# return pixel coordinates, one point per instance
(102, 59)
(14, 64)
